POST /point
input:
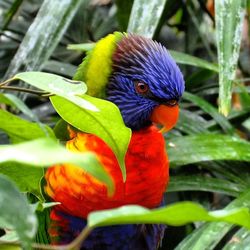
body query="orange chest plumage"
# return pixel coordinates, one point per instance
(146, 167)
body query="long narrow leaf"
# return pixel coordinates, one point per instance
(183, 58)
(191, 149)
(239, 241)
(176, 214)
(43, 35)
(202, 183)
(10, 13)
(229, 21)
(140, 22)
(208, 235)
(15, 212)
(208, 108)
(17, 103)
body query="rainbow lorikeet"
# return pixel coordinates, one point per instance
(141, 78)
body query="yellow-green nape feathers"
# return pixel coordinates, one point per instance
(97, 65)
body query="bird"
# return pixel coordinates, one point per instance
(141, 78)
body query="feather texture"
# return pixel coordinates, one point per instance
(66, 227)
(111, 70)
(80, 193)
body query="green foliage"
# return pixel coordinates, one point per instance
(71, 104)
(140, 22)
(17, 215)
(229, 23)
(113, 132)
(20, 130)
(47, 152)
(208, 152)
(177, 214)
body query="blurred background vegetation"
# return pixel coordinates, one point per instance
(209, 164)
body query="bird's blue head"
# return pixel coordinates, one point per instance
(146, 83)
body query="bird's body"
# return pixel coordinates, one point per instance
(145, 83)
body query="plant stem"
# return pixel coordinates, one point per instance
(74, 245)
(6, 82)
(31, 91)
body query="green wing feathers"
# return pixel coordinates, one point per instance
(97, 65)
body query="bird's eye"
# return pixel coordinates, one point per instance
(172, 102)
(141, 87)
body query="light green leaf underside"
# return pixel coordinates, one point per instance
(176, 215)
(47, 152)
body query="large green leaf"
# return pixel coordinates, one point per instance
(15, 212)
(106, 124)
(140, 22)
(84, 112)
(208, 147)
(177, 214)
(208, 235)
(47, 152)
(58, 85)
(204, 183)
(20, 130)
(229, 17)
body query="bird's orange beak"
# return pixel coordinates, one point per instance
(167, 116)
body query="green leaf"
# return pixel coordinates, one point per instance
(229, 18)
(123, 12)
(140, 22)
(208, 235)
(60, 68)
(47, 152)
(81, 46)
(10, 14)
(15, 212)
(9, 247)
(183, 58)
(212, 111)
(204, 183)
(25, 177)
(191, 123)
(21, 130)
(112, 131)
(15, 102)
(208, 147)
(84, 112)
(176, 214)
(8, 237)
(246, 124)
(61, 130)
(58, 85)
(239, 241)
